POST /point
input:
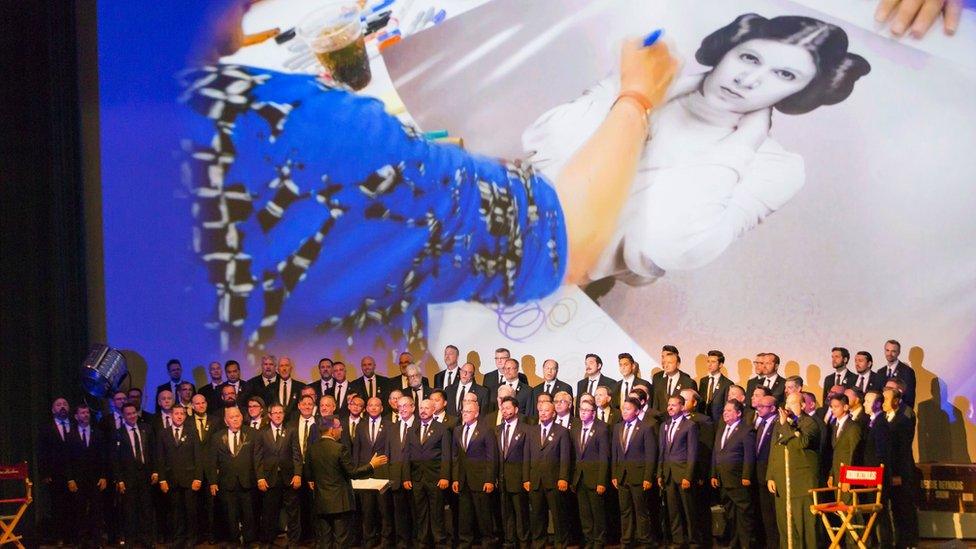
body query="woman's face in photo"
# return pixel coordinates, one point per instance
(757, 74)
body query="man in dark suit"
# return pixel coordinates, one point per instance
(593, 377)
(417, 387)
(634, 452)
(257, 418)
(898, 369)
(233, 464)
(52, 446)
(839, 358)
(450, 375)
(429, 453)
(285, 390)
(399, 464)
(350, 421)
(133, 471)
(162, 420)
(377, 507)
(464, 386)
(512, 435)
(767, 532)
(401, 381)
(546, 472)
(846, 439)
(590, 476)
(678, 462)
(492, 379)
(307, 431)
(733, 461)
(904, 508)
(211, 391)
(279, 475)
(701, 488)
(509, 375)
(259, 384)
(474, 470)
(767, 365)
(180, 462)
(550, 385)
(866, 379)
(605, 412)
(714, 387)
(88, 473)
(629, 378)
(370, 384)
(794, 433)
(877, 451)
(203, 425)
(669, 382)
(175, 370)
(329, 471)
(233, 373)
(323, 385)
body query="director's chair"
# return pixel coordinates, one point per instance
(9, 522)
(869, 479)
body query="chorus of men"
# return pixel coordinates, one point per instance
(496, 462)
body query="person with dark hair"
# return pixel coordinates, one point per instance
(329, 471)
(593, 377)
(134, 472)
(904, 483)
(180, 463)
(846, 446)
(732, 468)
(53, 439)
(678, 461)
(512, 433)
(840, 375)
(474, 470)
(257, 419)
(629, 378)
(211, 391)
(546, 468)
(88, 474)
(174, 368)
(669, 381)
(714, 132)
(449, 375)
(867, 379)
(429, 451)
(877, 450)
(896, 369)
(633, 469)
(279, 475)
(377, 512)
(796, 442)
(767, 366)
(714, 387)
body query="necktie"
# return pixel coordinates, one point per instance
(505, 441)
(460, 402)
(277, 434)
(372, 431)
(467, 438)
(84, 436)
(761, 431)
(176, 434)
(255, 423)
(861, 383)
(836, 430)
(548, 388)
(767, 383)
(590, 388)
(545, 432)
(352, 429)
(118, 421)
(670, 386)
(450, 378)
(416, 396)
(837, 379)
(308, 432)
(674, 426)
(282, 398)
(166, 419)
(626, 392)
(725, 437)
(423, 433)
(369, 387)
(233, 447)
(138, 444)
(711, 388)
(583, 436)
(61, 429)
(201, 429)
(626, 441)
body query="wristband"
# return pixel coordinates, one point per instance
(639, 98)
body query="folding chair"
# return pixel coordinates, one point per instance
(9, 522)
(869, 479)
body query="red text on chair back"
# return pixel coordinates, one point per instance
(861, 476)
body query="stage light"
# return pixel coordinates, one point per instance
(103, 370)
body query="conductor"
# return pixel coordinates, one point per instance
(330, 469)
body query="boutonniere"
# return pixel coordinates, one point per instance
(549, 438)
(517, 435)
(475, 432)
(182, 438)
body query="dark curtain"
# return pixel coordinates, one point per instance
(43, 309)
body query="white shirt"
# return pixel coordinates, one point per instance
(451, 375)
(513, 384)
(564, 420)
(693, 194)
(841, 422)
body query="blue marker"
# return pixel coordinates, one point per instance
(650, 39)
(441, 15)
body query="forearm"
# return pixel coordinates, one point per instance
(595, 182)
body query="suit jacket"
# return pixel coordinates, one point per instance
(511, 468)
(611, 416)
(329, 465)
(591, 468)
(381, 385)
(483, 398)
(847, 448)
(523, 394)
(51, 449)
(618, 388)
(400, 382)
(877, 444)
(319, 391)
(847, 380)
(802, 441)
(875, 380)
(349, 433)
(476, 464)
(125, 467)
(706, 442)
(603, 381)
(212, 395)
(256, 386)
(492, 380)
(296, 424)
(902, 430)
(556, 386)
(548, 461)
(424, 392)
(720, 395)
(243, 393)
(639, 462)
(179, 462)
(167, 387)
(238, 470)
(106, 424)
(779, 388)
(211, 425)
(263, 422)
(278, 460)
(86, 464)
(364, 448)
(905, 373)
(736, 460)
(429, 459)
(272, 395)
(397, 450)
(679, 458)
(441, 376)
(660, 385)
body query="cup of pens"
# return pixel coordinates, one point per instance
(334, 33)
